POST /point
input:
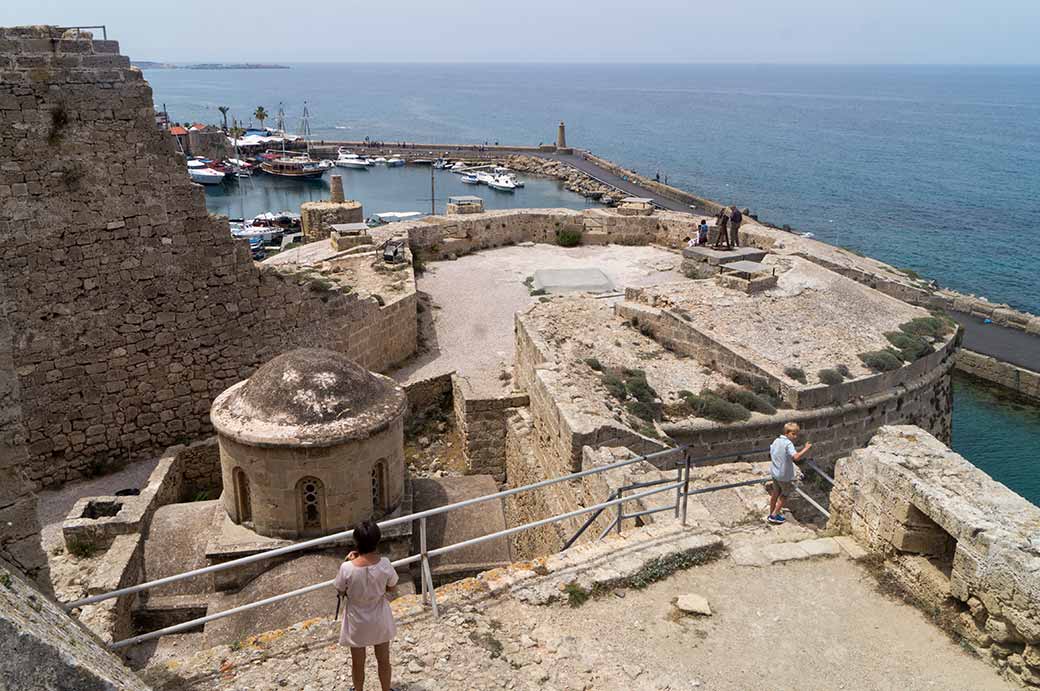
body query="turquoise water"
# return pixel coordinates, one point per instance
(999, 435)
(931, 168)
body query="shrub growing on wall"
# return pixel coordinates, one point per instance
(796, 373)
(568, 238)
(710, 405)
(830, 377)
(881, 360)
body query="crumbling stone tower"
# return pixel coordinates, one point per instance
(128, 308)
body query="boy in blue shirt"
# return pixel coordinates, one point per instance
(783, 455)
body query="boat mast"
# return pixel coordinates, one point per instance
(305, 129)
(433, 195)
(281, 123)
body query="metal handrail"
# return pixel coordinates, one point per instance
(681, 492)
(423, 557)
(104, 31)
(335, 537)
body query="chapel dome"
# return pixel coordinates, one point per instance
(310, 397)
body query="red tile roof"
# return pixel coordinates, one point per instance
(178, 131)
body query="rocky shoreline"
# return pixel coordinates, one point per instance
(573, 179)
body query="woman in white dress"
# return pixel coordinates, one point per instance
(367, 580)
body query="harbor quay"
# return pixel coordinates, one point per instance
(560, 418)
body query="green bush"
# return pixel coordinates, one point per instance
(830, 377)
(930, 327)
(635, 382)
(910, 347)
(576, 595)
(796, 373)
(748, 399)
(594, 364)
(843, 370)
(568, 238)
(760, 385)
(881, 360)
(642, 410)
(710, 405)
(615, 386)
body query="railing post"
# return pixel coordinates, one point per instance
(679, 489)
(427, 575)
(620, 510)
(685, 485)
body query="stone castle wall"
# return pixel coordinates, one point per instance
(962, 545)
(1018, 379)
(19, 527)
(131, 307)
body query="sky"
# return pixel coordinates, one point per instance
(654, 31)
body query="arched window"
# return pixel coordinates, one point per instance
(310, 502)
(379, 487)
(243, 502)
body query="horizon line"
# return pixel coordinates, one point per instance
(590, 62)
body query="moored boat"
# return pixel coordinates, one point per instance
(469, 179)
(352, 161)
(294, 166)
(502, 184)
(199, 171)
(394, 162)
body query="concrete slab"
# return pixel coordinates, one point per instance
(716, 257)
(749, 556)
(745, 266)
(559, 281)
(463, 524)
(176, 542)
(821, 547)
(784, 551)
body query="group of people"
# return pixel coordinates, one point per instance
(728, 221)
(367, 580)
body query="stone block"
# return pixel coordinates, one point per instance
(45, 648)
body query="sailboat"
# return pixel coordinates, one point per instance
(295, 165)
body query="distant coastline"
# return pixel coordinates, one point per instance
(149, 65)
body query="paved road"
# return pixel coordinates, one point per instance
(625, 185)
(1000, 342)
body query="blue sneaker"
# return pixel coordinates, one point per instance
(777, 519)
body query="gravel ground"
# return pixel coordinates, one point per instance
(816, 624)
(476, 296)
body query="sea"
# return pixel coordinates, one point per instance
(934, 169)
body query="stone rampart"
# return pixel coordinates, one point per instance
(481, 420)
(19, 526)
(1018, 379)
(683, 336)
(133, 308)
(964, 546)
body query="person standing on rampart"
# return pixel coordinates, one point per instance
(721, 223)
(735, 217)
(782, 455)
(367, 580)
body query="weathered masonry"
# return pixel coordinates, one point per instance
(127, 307)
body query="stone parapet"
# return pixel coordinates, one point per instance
(317, 218)
(1018, 379)
(45, 648)
(481, 420)
(962, 545)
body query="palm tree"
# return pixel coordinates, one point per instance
(260, 115)
(224, 111)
